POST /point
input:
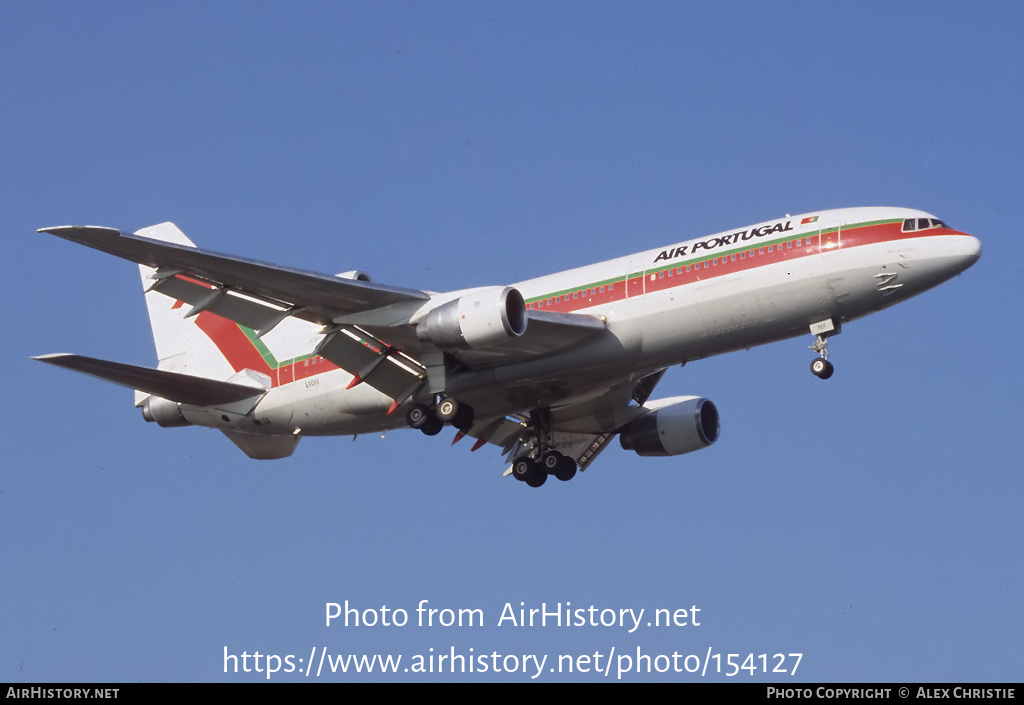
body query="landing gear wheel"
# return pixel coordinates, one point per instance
(521, 468)
(822, 368)
(448, 409)
(538, 478)
(459, 415)
(528, 471)
(464, 419)
(551, 460)
(566, 469)
(432, 426)
(418, 415)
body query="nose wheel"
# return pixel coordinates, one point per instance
(822, 368)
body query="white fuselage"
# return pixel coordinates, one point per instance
(666, 306)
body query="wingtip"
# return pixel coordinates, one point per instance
(51, 356)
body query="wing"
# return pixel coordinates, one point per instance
(204, 278)
(367, 330)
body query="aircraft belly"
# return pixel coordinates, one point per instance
(318, 405)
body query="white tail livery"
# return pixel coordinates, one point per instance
(550, 370)
(180, 345)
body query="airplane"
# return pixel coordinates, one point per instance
(550, 370)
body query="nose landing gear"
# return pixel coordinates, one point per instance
(821, 367)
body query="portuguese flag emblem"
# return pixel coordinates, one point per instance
(812, 219)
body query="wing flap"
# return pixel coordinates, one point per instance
(258, 315)
(371, 361)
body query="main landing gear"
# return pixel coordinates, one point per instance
(431, 419)
(537, 458)
(535, 472)
(534, 466)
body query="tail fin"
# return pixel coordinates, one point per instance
(180, 345)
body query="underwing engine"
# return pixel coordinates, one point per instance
(478, 319)
(677, 425)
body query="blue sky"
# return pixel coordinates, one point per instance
(870, 522)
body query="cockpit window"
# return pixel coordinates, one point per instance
(911, 224)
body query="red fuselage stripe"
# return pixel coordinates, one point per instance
(241, 353)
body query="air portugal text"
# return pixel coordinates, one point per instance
(723, 240)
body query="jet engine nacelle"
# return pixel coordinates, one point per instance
(477, 319)
(677, 425)
(163, 412)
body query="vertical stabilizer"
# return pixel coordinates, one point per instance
(180, 345)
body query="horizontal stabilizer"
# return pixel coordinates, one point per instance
(173, 386)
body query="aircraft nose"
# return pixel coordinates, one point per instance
(969, 250)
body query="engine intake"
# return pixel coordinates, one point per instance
(478, 319)
(678, 425)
